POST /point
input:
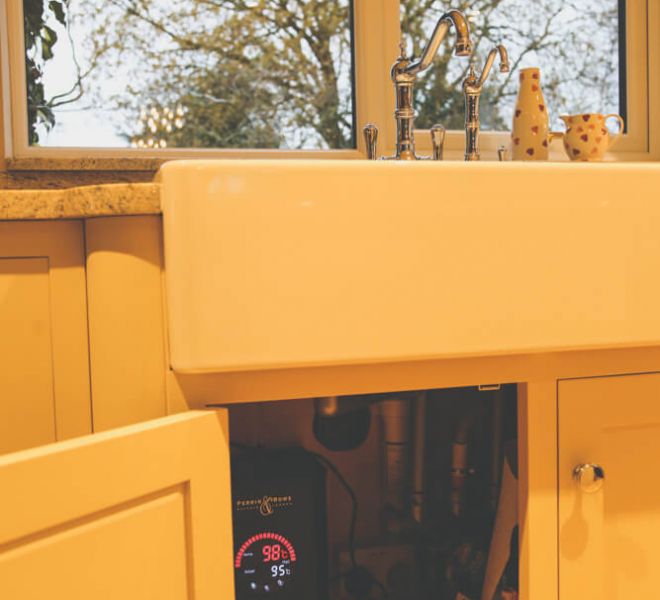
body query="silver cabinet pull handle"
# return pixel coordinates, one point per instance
(590, 477)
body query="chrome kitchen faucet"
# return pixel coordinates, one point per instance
(404, 75)
(473, 85)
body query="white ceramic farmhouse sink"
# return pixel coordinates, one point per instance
(274, 264)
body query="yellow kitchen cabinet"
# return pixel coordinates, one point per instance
(44, 372)
(128, 360)
(138, 513)
(609, 511)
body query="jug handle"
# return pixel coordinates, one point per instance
(622, 126)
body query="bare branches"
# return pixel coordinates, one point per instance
(573, 43)
(267, 72)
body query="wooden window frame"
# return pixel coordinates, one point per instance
(377, 34)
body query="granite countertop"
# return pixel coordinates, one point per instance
(80, 202)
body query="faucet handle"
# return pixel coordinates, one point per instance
(502, 153)
(438, 141)
(370, 133)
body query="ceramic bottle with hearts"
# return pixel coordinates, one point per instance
(530, 133)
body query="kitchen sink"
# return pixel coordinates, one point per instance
(273, 264)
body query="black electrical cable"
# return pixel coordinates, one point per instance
(354, 511)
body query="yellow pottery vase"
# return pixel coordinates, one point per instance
(529, 137)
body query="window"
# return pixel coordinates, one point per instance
(192, 73)
(577, 45)
(594, 57)
(302, 77)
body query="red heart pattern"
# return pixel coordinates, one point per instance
(587, 141)
(530, 122)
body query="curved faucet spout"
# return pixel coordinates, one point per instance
(504, 63)
(462, 46)
(472, 88)
(404, 76)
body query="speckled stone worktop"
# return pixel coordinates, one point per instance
(80, 202)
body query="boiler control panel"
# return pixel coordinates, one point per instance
(279, 513)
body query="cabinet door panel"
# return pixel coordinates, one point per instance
(44, 370)
(138, 513)
(27, 409)
(126, 323)
(608, 539)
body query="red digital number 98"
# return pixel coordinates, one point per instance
(272, 553)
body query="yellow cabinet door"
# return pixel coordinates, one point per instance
(44, 363)
(137, 513)
(128, 357)
(609, 528)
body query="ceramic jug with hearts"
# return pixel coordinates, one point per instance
(530, 136)
(587, 138)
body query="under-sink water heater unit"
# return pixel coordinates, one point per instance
(279, 510)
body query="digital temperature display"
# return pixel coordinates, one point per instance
(265, 563)
(274, 553)
(279, 522)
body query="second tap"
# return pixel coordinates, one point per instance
(472, 87)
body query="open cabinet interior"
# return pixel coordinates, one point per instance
(401, 496)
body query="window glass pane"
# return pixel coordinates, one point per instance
(190, 73)
(575, 43)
